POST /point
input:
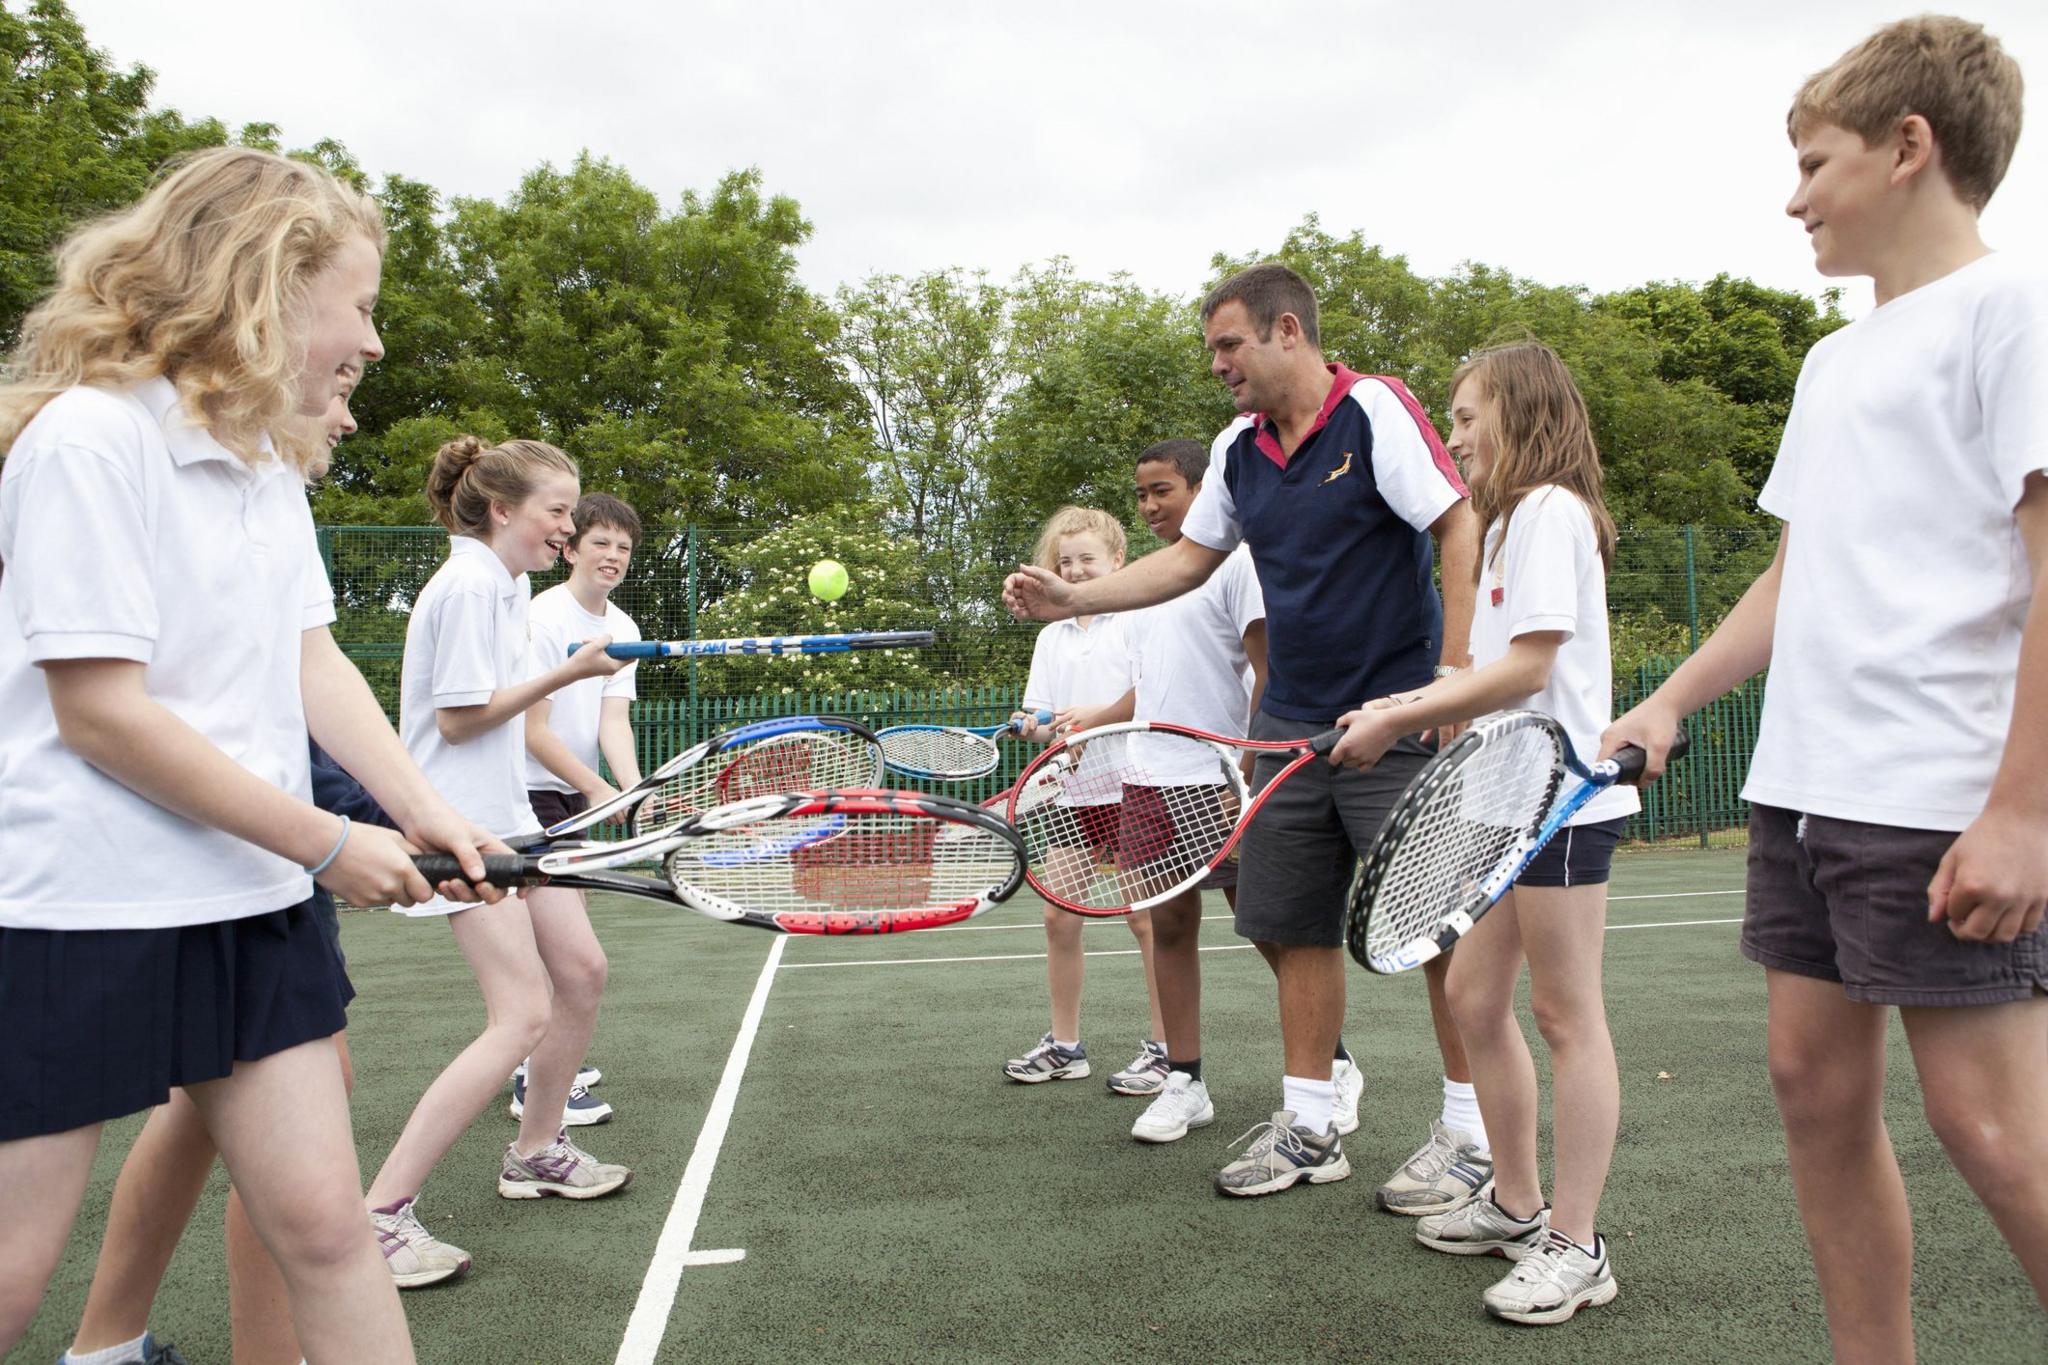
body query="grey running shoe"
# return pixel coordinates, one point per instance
(580, 1109)
(1048, 1062)
(1350, 1083)
(1446, 1171)
(415, 1256)
(1182, 1105)
(1146, 1075)
(560, 1168)
(1281, 1155)
(1555, 1280)
(1480, 1227)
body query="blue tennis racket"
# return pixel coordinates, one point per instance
(768, 646)
(1465, 828)
(949, 753)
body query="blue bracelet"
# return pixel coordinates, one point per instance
(317, 868)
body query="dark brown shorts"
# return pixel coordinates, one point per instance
(1843, 901)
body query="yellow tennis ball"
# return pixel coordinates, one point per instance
(828, 580)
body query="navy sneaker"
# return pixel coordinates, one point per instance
(582, 1110)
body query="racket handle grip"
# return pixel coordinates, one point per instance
(500, 869)
(1630, 758)
(1041, 716)
(631, 649)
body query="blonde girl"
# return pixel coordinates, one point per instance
(1539, 640)
(1078, 665)
(164, 652)
(464, 689)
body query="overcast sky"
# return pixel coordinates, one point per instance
(1595, 144)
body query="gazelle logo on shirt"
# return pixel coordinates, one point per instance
(1340, 471)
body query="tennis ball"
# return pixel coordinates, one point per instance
(828, 580)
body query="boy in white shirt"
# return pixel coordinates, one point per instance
(1899, 831)
(568, 731)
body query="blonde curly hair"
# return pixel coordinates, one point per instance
(203, 281)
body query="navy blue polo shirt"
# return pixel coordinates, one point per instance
(1339, 532)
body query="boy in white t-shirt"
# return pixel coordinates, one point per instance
(1899, 826)
(572, 729)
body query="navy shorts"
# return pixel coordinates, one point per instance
(553, 807)
(1843, 901)
(104, 1022)
(1577, 855)
(1301, 851)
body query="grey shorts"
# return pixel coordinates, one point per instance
(1301, 850)
(1844, 901)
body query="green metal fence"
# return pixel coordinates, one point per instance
(1670, 585)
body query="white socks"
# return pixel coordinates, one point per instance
(1461, 1111)
(1313, 1102)
(114, 1355)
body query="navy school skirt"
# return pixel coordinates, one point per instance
(104, 1022)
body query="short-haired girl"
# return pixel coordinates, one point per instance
(164, 652)
(466, 683)
(1539, 641)
(1083, 663)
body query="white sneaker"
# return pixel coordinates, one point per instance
(1182, 1105)
(586, 1074)
(1350, 1083)
(1555, 1280)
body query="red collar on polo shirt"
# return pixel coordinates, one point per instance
(1267, 438)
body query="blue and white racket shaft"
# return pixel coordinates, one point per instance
(768, 645)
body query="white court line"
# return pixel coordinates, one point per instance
(672, 1252)
(1133, 952)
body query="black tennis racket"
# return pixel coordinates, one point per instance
(1465, 828)
(835, 862)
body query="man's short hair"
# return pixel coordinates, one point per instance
(1267, 290)
(1191, 458)
(602, 509)
(1947, 70)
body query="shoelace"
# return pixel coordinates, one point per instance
(1545, 1263)
(1272, 1139)
(1434, 1159)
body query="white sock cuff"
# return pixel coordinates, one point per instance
(1313, 1102)
(113, 1355)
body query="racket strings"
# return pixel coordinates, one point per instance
(1118, 826)
(940, 753)
(888, 861)
(808, 760)
(1457, 836)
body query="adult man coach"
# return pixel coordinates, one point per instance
(1338, 482)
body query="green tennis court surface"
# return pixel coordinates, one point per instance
(895, 1198)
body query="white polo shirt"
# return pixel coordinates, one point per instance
(1550, 578)
(558, 621)
(128, 532)
(1077, 665)
(1896, 648)
(466, 640)
(1190, 663)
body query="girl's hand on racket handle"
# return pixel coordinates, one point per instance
(1368, 733)
(1035, 594)
(375, 867)
(1992, 884)
(1651, 727)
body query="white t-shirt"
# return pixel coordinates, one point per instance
(1550, 578)
(466, 640)
(1076, 665)
(1905, 585)
(558, 621)
(130, 533)
(1190, 661)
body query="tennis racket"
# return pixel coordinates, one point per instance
(768, 645)
(785, 754)
(1465, 828)
(1125, 816)
(839, 862)
(949, 753)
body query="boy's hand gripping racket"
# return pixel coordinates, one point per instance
(950, 753)
(1465, 828)
(1125, 816)
(837, 862)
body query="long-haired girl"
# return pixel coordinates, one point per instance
(1539, 641)
(164, 652)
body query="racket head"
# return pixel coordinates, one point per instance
(1453, 838)
(790, 754)
(1124, 817)
(938, 751)
(846, 862)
